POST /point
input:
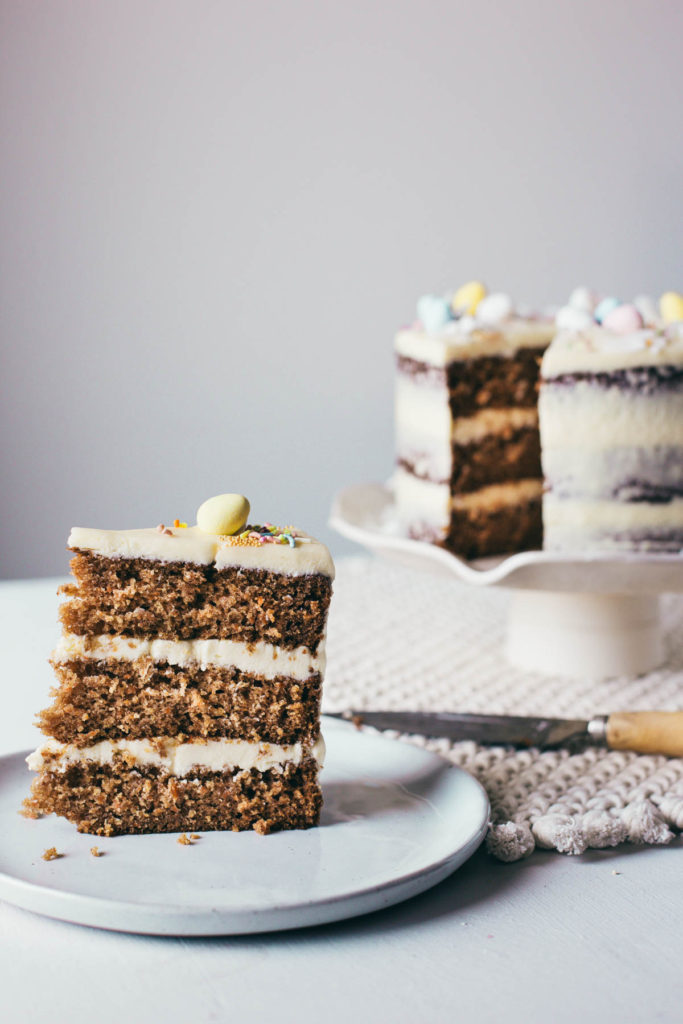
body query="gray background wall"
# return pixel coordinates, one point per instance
(215, 215)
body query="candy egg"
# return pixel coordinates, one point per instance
(433, 313)
(224, 514)
(494, 308)
(583, 299)
(646, 308)
(671, 307)
(604, 307)
(468, 297)
(571, 318)
(623, 319)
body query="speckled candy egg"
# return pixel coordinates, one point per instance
(623, 319)
(671, 307)
(433, 313)
(467, 297)
(494, 308)
(223, 514)
(604, 307)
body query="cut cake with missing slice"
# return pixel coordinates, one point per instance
(189, 681)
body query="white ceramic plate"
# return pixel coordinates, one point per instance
(365, 513)
(396, 820)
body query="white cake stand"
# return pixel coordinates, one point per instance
(571, 614)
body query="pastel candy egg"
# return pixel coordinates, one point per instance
(671, 307)
(468, 297)
(570, 318)
(604, 307)
(623, 319)
(646, 308)
(494, 308)
(433, 313)
(224, 514)
(583, 299)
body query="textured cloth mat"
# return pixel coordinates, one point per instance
(403, 639)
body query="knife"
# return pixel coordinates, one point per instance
(645, 732)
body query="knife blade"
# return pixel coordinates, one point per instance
(647, 732)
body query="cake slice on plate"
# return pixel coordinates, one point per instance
(189, 679)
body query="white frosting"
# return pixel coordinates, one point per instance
(589, 417)
(421, 501)
(261, 659)
(177, 758)
(597, 349)
(626, 471)
(468, 339)
(190, 544)
(610, 516)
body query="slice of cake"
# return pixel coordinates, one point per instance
(189, 679)
(468, 472)
(611, 418)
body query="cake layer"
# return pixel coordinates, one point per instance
(576, 523)
(490, 382)
(471, 524)
(495, 459)
(592, 416)
(137, 699)
(182, 601)
(268, 661)
(621, 473)
(115, 799)
(478, 533)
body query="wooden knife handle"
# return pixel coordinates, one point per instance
(646, 732)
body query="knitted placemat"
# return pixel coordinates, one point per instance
(404, 639)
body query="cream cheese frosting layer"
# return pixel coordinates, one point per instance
(459, 341)
(601, 418)
(259, 659)
(190, 544)
(598, 350)
(177, 758)
(612, 516)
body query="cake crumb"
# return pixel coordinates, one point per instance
(96, 852)
(357, 721)
(195, 836)
(29, 809)
(51, 853)
(614, 872)
(184, 840)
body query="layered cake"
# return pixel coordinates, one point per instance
(611, 420)
(468, 473)
(189, 679)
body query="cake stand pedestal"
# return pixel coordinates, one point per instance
(595, 616)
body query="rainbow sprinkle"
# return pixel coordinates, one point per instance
(253, 536)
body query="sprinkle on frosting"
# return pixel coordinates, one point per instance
(177, 523)
(254, 536)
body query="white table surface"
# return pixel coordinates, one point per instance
(552, 938)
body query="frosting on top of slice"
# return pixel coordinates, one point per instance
(469, 323)
(298, 556)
